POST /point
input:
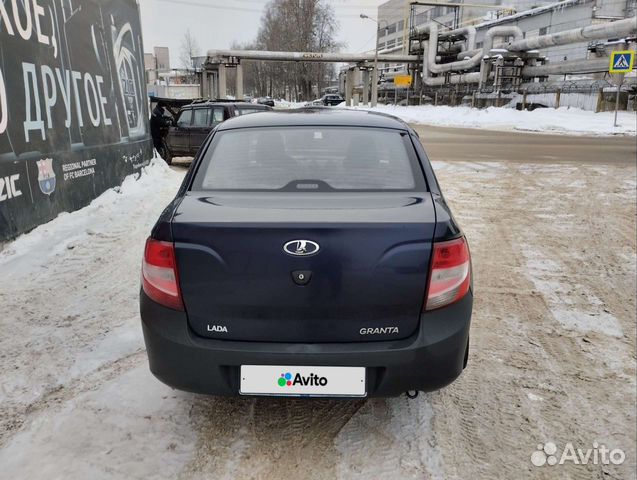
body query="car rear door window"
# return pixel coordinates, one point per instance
(200, 118)
(185, 118)
(311, 159)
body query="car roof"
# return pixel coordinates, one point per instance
(209, 104)
(315, 116)
(213, 103)
(252, 105)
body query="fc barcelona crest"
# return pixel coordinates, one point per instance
(46, 176)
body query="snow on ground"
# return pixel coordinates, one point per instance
(77, 399)
(588, 315)
(286, 104)
(70, 229)
(564, 120)
(127, 427)
(68, 304)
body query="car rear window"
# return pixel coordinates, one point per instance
(310, 159)
(245, 111)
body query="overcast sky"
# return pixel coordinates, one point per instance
(217, 23)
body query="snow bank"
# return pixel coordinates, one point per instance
(68, 229)
(70, 308)
(286, 104)
(547, 120)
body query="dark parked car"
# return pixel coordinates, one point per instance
(196, 120)
(331, 100)
(265, 101)
(308, 253)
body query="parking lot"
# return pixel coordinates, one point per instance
(551, 224)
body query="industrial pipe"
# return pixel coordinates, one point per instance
(473, 77)
(567, 67)
(466, 63)
(429, 55)
(468, 53)
(467, 59)
(616, 29)
(469, 32)
(308, 56)
(500, 32)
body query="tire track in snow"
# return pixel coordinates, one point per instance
(390, 438)
(280, 438)
(60, 394)
(528, 381)
(73, 295)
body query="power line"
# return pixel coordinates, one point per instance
(209, 5)
(373, 37)
(255, 9)
(332, 3)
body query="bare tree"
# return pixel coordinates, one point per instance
(294, 25)
(189, 48)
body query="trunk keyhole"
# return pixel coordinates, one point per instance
(301, 277)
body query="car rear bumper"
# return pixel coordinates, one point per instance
(430, 359)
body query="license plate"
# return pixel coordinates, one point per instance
(286, 380)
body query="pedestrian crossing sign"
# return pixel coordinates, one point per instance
(621, 62)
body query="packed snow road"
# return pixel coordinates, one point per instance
(552, 345)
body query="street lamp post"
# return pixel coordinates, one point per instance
(375, 72)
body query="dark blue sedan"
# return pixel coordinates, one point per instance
(308, 253)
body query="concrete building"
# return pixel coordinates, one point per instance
(534, 17)
(162, 57)
(395, 16)
(563, 16)
(156, 63)
(162, 81)
(150, 67)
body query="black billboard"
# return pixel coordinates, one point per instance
(73, 105)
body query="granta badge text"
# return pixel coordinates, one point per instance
(377, 330)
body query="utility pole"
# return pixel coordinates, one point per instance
(620, 78)
(375, 72)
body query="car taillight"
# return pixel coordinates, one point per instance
(160, 280)
(450, 274)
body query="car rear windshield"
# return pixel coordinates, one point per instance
(310, 159)
(245, 111)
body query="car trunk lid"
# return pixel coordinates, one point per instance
(366, 281)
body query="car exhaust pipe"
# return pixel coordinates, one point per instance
(411, 394)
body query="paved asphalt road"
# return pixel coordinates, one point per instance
(468, 144)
